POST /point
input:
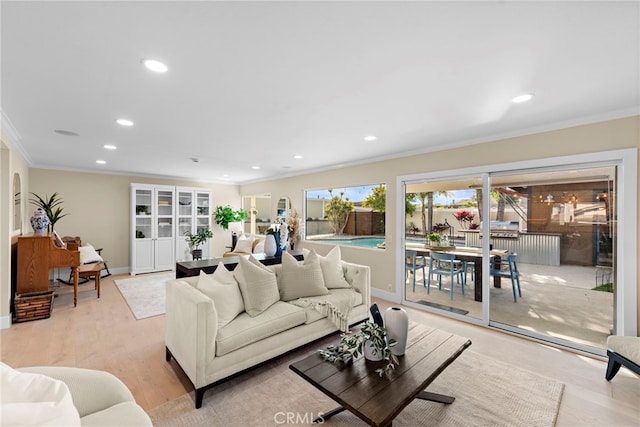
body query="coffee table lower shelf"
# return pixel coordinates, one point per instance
(357, 387)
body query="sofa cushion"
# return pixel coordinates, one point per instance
(244, 246)
(628, 347)
(334, 297)
(245, 329)
(331, 265)
(226, 297)
(301, 278)
(258, 285)
(30, 399)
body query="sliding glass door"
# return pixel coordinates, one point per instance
(535, 246)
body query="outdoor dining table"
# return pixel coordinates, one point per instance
(468, 254)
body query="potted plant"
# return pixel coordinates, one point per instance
(197, 239)
(435, 239)
(225, 214)
(371, 341)
(50, 206)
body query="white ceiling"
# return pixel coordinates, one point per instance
(253, 83)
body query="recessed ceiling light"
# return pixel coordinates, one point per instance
(522, 98)
(297, 156)
(124, 122)
(101, 162)
(255, 167)
(109, 147)
(370, 138)
(155, 65)
(65, 132)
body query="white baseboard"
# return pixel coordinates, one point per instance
(5, 322)
(385, 295)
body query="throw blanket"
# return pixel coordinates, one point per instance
(337, 310)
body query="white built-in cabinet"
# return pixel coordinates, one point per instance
(193, 213)
(152, 228)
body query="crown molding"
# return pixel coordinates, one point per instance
(14, 137)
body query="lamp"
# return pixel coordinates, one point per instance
(236, 230)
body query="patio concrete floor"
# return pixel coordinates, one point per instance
(556, 301)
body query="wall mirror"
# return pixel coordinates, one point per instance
(284, 207)
(17, 203)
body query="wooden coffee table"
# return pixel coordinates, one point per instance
(377, 400)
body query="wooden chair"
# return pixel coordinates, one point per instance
(413, 262)
(443, 263)
(513, 273)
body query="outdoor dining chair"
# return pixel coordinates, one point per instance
(414, 262)
(445, 264)
(512, 273)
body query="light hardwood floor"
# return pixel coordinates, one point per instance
(103, 334)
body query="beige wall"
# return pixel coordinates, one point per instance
(99, 208)
(603, 136)
(10, 163)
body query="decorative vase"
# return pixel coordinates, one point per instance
(276, 236)
(369, 353)
(196, 254)
(396, 321)
(40, 222)
(270, 247)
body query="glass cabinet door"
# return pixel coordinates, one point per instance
(144, 210)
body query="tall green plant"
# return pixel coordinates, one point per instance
(337, 212)
(225, 214)
(51, 206)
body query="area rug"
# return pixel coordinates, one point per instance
(145, 294)
(488, 392)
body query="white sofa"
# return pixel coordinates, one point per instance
(53, 395)
(210, 354)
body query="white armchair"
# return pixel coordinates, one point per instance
(100, 398)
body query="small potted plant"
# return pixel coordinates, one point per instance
(371, 341)
(435, 239)
(197, 239)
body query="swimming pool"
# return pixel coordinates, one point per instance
(368, 242)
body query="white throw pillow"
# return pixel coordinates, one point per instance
(226, 296)
(259, 248)
(222, 275)
(244, 246)
(29, 399)
(301, 279)
(258, 285)
(331, 265)
(89, 255)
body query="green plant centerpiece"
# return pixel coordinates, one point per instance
(352, 347)
(435, 239)
(225, 214)
(50, 206)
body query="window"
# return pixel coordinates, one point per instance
(347, 216)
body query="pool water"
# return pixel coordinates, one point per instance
(368, 242)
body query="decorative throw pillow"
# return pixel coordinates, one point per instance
(331, 265)
(258, 248)
(258, 285)
(222, 275)
(30, 399)
(226, 296)
(244, 246)
(301, 279)
(88, 254)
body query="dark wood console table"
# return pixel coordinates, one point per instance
(192, 268)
